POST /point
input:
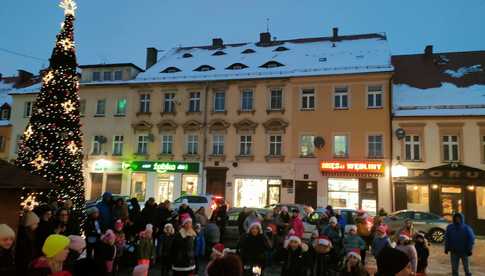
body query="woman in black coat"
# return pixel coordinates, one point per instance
(183, 249)
(295, 258)
(26, 251)
(253, 247)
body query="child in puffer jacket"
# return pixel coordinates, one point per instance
(166, 241)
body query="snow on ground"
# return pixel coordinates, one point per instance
(464, 70)
(447, 100)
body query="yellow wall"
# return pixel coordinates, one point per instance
(5, 132)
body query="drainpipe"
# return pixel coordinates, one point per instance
(391, 144)
(205, 128)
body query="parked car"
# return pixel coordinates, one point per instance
(348, 214)
(432, 225)
(209, 202)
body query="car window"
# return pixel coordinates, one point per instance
(197, 199)
(425, 216)
(404, 215)
(179, 200)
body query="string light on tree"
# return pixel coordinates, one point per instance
(67, 44)
(68, 106)
(30, 202)
(39, 162)
(28, 132)
(48, 77)
(72, 147)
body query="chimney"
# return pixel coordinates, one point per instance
(265, 38)
(152, 57)
(335, 34)
(428, 51)
(24, 76)
(217, 43)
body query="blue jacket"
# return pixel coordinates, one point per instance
(105, 212)
(459, 237)
(379, 244)
(200, 245)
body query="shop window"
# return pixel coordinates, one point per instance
(412, 148)
(118, 145)
(100, 108)
(418, 197)
(138, 186)
(308, 99)
(341, 97)
(142, 147)
(275, 145)
(450, 148)
(276, 99)
(307, 145)
(144, 103)
(167, 144)
(169, 103)
(189, 185)
(165, 187)
(245, 145)
(480, 195)
(219, 101)
(375, 147)
(194, 102)
(343, 193)
(121, 107)
(340, 146)
(247, 100)
(218, 145)
(374, 96)
(251, 192)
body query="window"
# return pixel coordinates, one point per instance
(167, 144)
(343, 193)
(219, 53)
(218, 145)
(271, 64)
(480, 196)
(100, 107)
(82, 107)
(27, 109)
(308, 99)
(418, 197)
(219, 102)
(247, 100)
(276, 99)
(245, 145)
(142, 147)
(121, 107)
(340, 146)
(169, 103)
(204, 68)
(118, 75)
(107, 76)
(144, 103)
(412, 148)
(96, 76)
(194, 102)
(171, 70)
(236, 66)
(374, 96)
(450, 148)
(248, 51)
(5, 114)
(118, 145)
(192, 144)
(96, 146)
(2, 143)
(375, 148)
(307, 146)
(341, 97)
(275, 142)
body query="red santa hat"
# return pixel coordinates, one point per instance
(218, 249)
(322, 240)
(354, 252)
(255, 224)
(185, 218)
(119, 225)
(290, 239)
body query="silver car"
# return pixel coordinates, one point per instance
(432, 225)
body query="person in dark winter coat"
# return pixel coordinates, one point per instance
(353, 264)
(78, 265)
(165, 242)
(93, 230)
(227, 265)
(105, 208)
(253, 247)
(7, 260)
(46, 225)
(151, 215)
(134, 224)
(421, 245)
(325, 261)
(199, 245)
(393, 262)
(380, 242)
(55, 250)
(120, 210)
(336, 234)
(219, 216)
(64, 225)
(459, 241)
(145, 249)
(105, 253)
(185, 209)
(183, 248)
(166, 214)
(295, 257)
(25, 250)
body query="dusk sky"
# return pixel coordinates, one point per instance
(109, 31)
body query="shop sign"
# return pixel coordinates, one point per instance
(355, 167)
(104, 166)
(161, 167)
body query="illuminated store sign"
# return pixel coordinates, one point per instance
(161, 167)
(354, 167)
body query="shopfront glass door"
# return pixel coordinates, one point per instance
(451, 201)
(165, 187)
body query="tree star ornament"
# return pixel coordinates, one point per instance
(66, 43)
(68, 106)
(48, 77)
(69, 7)
(28, 132)
(39, 162)
(72, 147)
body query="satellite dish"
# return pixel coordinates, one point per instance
(400, 133)
(319, 142)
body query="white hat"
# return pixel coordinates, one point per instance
(356, 253)
(185, 201)
(333, 220)
(322, 241)
(255, 224)
(290, 239)
(351, 227)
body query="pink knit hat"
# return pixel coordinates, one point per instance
(77, 243)
(185, 218)
(119, 225)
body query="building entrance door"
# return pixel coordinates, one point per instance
(306, 193)
(451, 201)
(216, 181)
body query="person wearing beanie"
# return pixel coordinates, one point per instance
(324, 258)
(253, 247)
(92, 230)
(26, 250)
(295, 257)
(228, 265)
(183, 248)
(105, 253)
(352, 241)
(405, 245)
(76, 262)
(7, 259)
(105, 210)
(353, 265)
(145, 248)
(282, 221)
(381, 241)
(55, 250)
(296, 223)
(141, 270)
(422, 250)
(336, 234)
(165, 247)
(393, 262)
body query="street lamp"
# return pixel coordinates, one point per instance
(399, 170)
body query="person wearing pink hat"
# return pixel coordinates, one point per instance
(324, 260)
(253, 247)
(105, 252)
(295, 257)
(405, 244)
(145, 248)
(353, 264)
(183, 248)
(381, 241)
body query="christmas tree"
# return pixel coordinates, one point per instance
(52, 142)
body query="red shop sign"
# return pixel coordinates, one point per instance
(354, 167)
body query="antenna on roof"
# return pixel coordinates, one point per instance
(267, 25)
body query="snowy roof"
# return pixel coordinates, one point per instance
(33, 89)
(285, 58)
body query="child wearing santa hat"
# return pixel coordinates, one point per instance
(105, 252)
(405, 244)
(166, 241)
(295, 257)
(353, 264)
(325, 259)
(253, 247)
(352, 240)
(183, 248)
(145, 249)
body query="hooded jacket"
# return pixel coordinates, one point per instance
(459, 237)
(253, 248)
(295, 262)
(105, 212)
(183, 250)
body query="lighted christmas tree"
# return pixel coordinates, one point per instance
(52, 142)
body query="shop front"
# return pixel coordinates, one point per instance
(353, 184)
(257, 192)
(445, 190)
(163, 180)
(104, 176)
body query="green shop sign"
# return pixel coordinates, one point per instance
(161, 167)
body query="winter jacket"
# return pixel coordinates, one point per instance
(85, 266)
(295, 262)
(44, 230)
(355, 271)
(282, 220)
(7, 262)
(411, 253)
(120, 242)
(93, 230)
(380, 243)
(69, 228)
(105, 215)
(145, 249)
(336, 235)
(220, 216)
(104, 255)
(200, 245)
(40, 267)
(353, 241)
(183, 250)
(324, 264)
(120, 212)
(25, 250)
(253, 248)
(459, 238)
(151, 215)
(166, 249)
(297, 226)
(423, 253)
(363, 229)
(201, 218)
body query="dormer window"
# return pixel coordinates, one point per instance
(281, 49)
(271, 64)
(187, 55)
(248, 51)
(171, 70)
(237, 66)
(204, 68)
(219, 53)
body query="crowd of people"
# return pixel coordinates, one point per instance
(120, 234)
